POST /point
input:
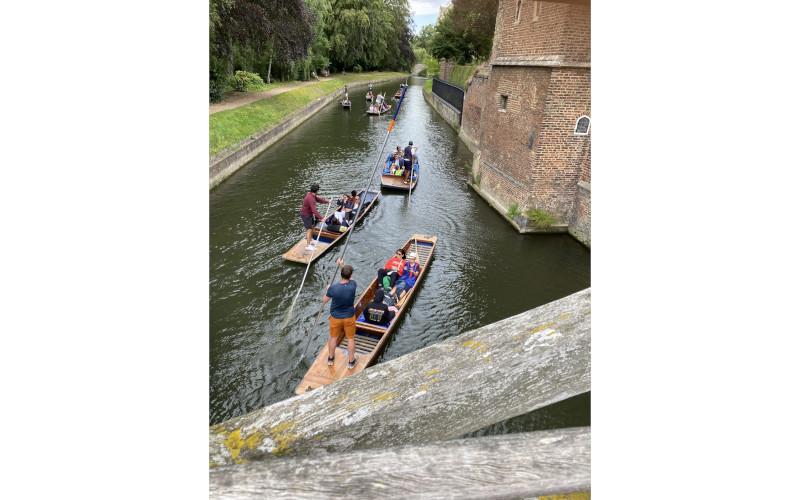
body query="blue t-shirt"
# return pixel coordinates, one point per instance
(342, 298)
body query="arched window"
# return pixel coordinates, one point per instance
(519, 9)
(582, 125)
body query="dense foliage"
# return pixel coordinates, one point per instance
(463, 33)
(290, 39)
(244, 80)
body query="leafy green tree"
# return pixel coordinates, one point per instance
(423, 39)
(250, 32)
(465, 31)
(321, 45)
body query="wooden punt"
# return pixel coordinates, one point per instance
(327, 239)
(396, 182)
(369, 95)
(374, 110)
(370, 339)
(346, 104)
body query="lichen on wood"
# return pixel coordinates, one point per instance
(443, 391)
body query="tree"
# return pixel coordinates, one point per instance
(251, 31)
(465, 31)
(423, 39)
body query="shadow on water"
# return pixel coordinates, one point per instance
(483, 270)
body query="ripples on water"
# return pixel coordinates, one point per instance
(483, 271)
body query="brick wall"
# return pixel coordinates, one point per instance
(581, 223)
(528, 153)
(559, 29)
(560, 154)
(475, 98)
(445, 69)
(506, 136)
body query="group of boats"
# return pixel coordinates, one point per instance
(378, 104)
(370, 338)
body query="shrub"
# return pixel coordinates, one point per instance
(541, 219)
(513, 211)
(357, 68)
(244, 81)
(216, 90)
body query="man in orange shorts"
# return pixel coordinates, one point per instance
(343, 314)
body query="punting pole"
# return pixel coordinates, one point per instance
(308, 266)
(360, 205)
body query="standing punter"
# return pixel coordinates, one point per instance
(309, 211)
(343, 314)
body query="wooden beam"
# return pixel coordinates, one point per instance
(443, 391)
(508, 466)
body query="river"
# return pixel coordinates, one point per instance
(483, 270)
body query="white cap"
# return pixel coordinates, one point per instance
(412, 255)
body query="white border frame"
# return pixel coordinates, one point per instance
(575, 128)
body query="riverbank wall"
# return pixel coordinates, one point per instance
(450, 114)
(227, 162)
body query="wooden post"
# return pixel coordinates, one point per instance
(521, 465)
(443, 391)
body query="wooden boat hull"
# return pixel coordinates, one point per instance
(327, 239)
(346, 104)
(371, 339)
(396, 182)
(371, 111)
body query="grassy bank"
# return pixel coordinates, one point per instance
(461, 74)
(230, 127)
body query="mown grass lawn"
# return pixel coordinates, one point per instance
(230, 127)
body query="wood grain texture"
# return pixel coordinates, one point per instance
(441, 392)
(508, 466)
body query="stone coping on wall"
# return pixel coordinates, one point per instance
(544, 60)
(228, 161)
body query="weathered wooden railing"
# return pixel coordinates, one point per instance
(441, 392)
(509, 466)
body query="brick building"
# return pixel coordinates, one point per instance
(526, 115)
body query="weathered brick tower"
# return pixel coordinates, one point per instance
(527, 115)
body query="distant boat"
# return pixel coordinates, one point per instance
(398, 94)
(327, 239)
(374, 109)
(369, 95)
(346, 103)
(371, 339)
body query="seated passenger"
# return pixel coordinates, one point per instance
(411, 270)
(393, 268)
(390, 301)
(350, 205)
(338, 218)
(376, 311)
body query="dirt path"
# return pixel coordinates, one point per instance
(241, 98)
